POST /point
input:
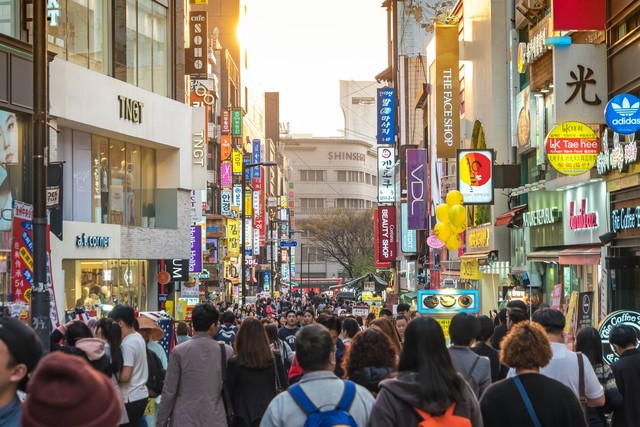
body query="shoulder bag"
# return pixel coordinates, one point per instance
(527, 402)
(226, 395)
(279, 387)
(582, 395)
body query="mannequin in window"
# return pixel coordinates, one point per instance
(85, 300)
(104, 187)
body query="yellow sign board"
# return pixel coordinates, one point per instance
(444, 324)
(478, 238)
(572, 148)
(470, 269)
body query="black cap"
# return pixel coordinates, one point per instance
(22, 342)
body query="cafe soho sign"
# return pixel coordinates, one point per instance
(622, 317)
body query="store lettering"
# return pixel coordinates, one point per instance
(540, 217)
(385, 233)
(53, 12)
(130, 110)
(625, 218)
(345, 155)
(447, 107)
(83, 240)
(479, 238)
(198, 148)
(582, 220)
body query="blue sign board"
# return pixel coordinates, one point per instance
(623, 114)
(386, 115)
(255, 158)
(448, 301)
(290, 244)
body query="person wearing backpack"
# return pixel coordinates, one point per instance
(320, 398)
(227, 330)
(156, 364)
(476, 370)
(427, 390)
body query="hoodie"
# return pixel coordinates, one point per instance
(91, 349)
(399, 396)
(370, 377)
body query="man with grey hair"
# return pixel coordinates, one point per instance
(315, 352)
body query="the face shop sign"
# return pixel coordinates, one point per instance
(84, 241)
(625, 218)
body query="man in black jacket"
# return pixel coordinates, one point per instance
(627, 374)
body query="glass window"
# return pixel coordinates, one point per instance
(342, 176)
(117, 163)
(77, 33)
(145, 45)
(8, 17)
(98, 36)
(160, 51)
(100, 165)
(148, 185)
(132, 193)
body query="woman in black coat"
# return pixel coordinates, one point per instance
(255, 374)
(371, 358)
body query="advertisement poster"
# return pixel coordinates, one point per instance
(475, 176)
(386, 115)
(572, 148)
(585, 310)
(556, 299)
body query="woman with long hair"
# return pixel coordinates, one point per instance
(427, 384)
(109, 331)
(588, 342)
(385, 325)
(370, 318)
(279, 346)
(255, 374)
(370, 359)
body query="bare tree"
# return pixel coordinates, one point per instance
(428, 12)
(345, 235)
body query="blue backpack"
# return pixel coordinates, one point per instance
(338, 417)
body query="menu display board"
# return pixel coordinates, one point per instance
(448, 301)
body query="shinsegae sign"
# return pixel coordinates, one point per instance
(447, 93)
(386, 115)
(386, 175)
(540, 217)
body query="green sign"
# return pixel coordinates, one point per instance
(236, 122)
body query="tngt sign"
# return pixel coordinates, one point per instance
(385, 239)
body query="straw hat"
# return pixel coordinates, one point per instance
(156, 331)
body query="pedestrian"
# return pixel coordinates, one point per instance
(325, 391)
(79, 340)
(287, 333)
(152, 333)
(109, 331)
(255, 374)
(370, 359)
(589, 343)
(132, 378)
(400, 323)
(627, 374)
(482, 347)
(564, 365)
(476, 370)
(308, 317)
(385, 325)
(385, 312)
(334, 324)
(370, 318)
(20, 351)
(182, 332)
(529, 396)
(403, 310)
(192, 393)
(277, 345)
(349, 329)
(427, 385)
(227, 330)
(514, 316)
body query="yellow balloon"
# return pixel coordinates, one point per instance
(442, 212)
(454, 197)
(457, 215)
(461, 227)
(454, 242)
(442, 231)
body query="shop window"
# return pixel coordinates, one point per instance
(8, 17)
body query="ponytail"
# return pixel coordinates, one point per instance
(111, 333)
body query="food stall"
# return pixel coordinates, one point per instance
(443, 304)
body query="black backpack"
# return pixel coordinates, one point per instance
(155, 381)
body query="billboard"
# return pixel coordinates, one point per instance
(475, 176)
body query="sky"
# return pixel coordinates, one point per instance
(303, 48)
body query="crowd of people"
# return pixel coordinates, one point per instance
(296, 363)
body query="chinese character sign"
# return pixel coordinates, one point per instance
(386, 116)
(386, 175)
(22, 253)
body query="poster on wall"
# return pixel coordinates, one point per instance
(475, 176)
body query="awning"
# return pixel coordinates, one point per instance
(385, 76)
(353, 282)
(409, 295)
(482, 257)
(548, 255)
(585, 255)
(505, 218)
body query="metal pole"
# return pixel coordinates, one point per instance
(242, 245)
(40, 298)
(273, 275)
(308, 270)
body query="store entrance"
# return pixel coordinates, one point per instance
(624, 283)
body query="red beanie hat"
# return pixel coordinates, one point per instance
(66, 390)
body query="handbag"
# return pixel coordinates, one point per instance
(279, 388)
(527, 402)
(226, 396)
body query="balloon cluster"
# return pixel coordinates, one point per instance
(452, 220)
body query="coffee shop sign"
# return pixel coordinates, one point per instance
(541, 217)
(625, 218)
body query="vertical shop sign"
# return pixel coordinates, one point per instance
(579, 15)
(225, 122)
(233, 237)
(54, 197)
(386, 175)
(236, 161)
(225, 174)
(409, 243)
(403, 167)
(475, 176)
(22, 253)
(237, 195)
(585, 310)
(196, 53)
(386, 234)
(195, 259)
(225, 202)
(198, 149)
(447, 97)
(417, 189)
(236, 122)
(225, 147)
(256, 158)
(386, 115)
(377, 243)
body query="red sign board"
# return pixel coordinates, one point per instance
(386, 235)
(579, 15)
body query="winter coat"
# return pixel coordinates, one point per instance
(370, 377)
(399, 396)
(91, 349)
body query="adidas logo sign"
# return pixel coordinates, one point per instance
(626, 109)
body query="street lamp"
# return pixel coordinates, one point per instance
(243, 267)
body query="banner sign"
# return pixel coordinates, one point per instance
(623, 114)
(417, 189)
(22, 253)
(409, 243)
(572, 148)
(386, 175)
(236, 122)
(475, 176)
(54, 197)
(196, 53)
(195, 259)
(447, 93)
(386, 234)
(386, 115)
(448, 301)
(579, 15)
